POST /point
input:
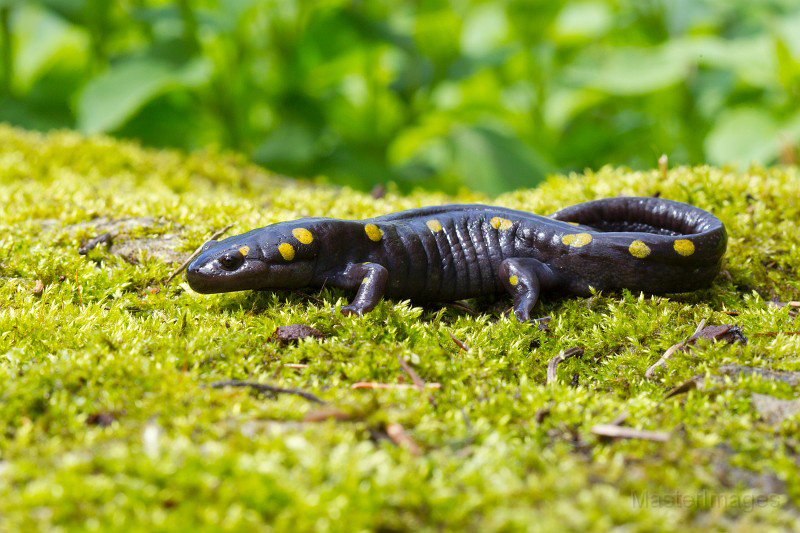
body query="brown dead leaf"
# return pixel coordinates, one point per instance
(542, 323)
(102, 418)
(294, 333)
(378, 191)
(724, 333)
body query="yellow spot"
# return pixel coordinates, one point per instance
(639, 249)
(577, 239)
(684, 247)
(513, 280)
(244, 250)
(373, 232)
(573, 223)
(286, 250)
(303, 235)
(434, 225)
(500, 223)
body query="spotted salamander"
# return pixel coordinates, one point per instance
(451, 252)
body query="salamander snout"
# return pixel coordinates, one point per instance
(204, 276)
(224, 270)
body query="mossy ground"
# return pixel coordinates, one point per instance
(106, 422)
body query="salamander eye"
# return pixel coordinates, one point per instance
(231, 260)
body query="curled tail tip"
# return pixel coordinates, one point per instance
(643, 214)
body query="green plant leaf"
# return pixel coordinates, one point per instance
(787, 27)
(582, 21)
(788, 68)
(114, 96)
(42, 41)
(73, 11)
(484, 30)
(630, 71)
(565, 103)
(743, 136)
(791, 129)
(751, 58)
(289, 146)
(492, 162)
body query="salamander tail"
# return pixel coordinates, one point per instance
(684, 250)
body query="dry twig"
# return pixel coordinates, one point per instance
(91, 244)
(663, 165)
(461, 344)
(418, 381)
(622, 432)
(552, 367)
(672, 349)
(197, 252)
(401, 386)
(268, 389)
(326, 413)
(399, 436)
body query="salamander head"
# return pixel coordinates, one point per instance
(280, 256)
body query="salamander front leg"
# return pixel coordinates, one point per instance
(520, 279)
(370, 278)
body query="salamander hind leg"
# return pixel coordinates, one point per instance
(520, 279)
(371, 279)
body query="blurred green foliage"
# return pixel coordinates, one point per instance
(439, 93)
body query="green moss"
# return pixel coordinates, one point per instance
(105, 342)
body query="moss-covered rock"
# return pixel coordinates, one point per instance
(107, 419)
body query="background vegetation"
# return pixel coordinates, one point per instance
(491, 95)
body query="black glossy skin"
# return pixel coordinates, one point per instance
(452, 252)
